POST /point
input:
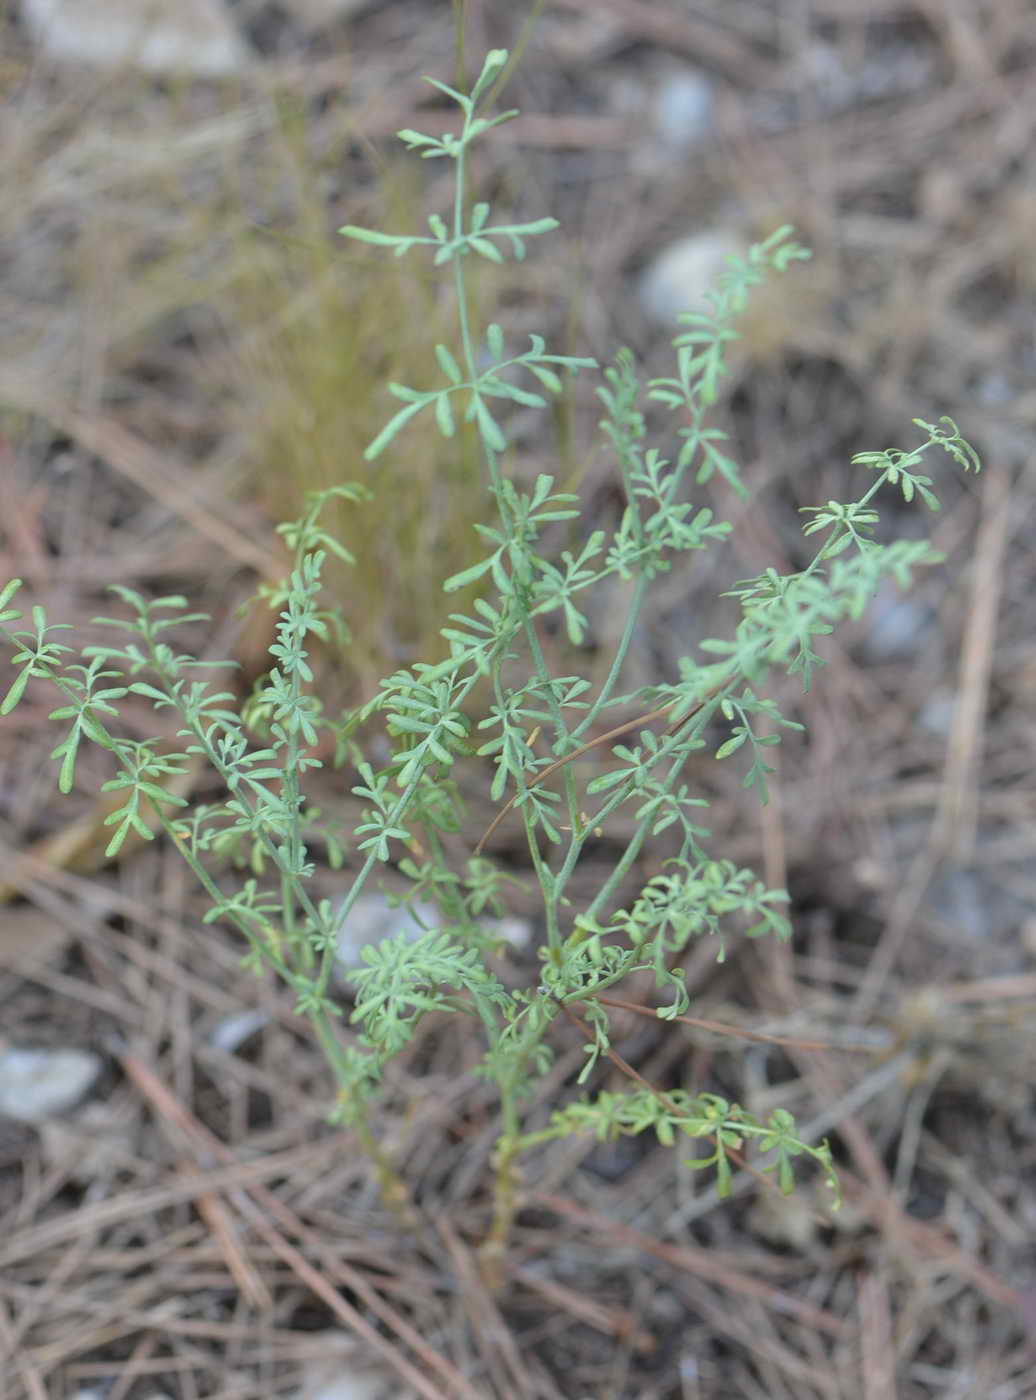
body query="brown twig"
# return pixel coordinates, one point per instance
(627, 1069)
(616, 733)
(721, 1028)
(261, 1208)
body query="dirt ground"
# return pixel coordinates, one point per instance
(187, 347)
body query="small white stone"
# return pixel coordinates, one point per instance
(681, 274)
(360, 1385)
(995, 388)
(190, 36)
(372, 919)
(234, 1030)
(936, 714)
(36, 1084)
(516, 932)
(341, 1374)
(681, 110)
(784, 1220)
(97, 1393)
(896, 625)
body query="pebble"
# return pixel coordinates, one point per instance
(195, 37)
(232, 1031)
(372, 919)
(361, 1385)
(680, 275)
(36, 1084)
(896, 625)
(341, 1374)
(682, 109)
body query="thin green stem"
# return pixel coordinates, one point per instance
(678, 744)
(618, 660)
(459, 281)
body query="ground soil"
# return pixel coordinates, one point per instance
(196, 1229)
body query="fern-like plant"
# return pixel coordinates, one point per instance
(264, 752)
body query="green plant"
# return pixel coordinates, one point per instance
(263, 751)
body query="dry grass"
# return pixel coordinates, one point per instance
(187, 349)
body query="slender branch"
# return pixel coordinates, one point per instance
(616, 733)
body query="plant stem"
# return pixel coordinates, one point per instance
(507, 1180)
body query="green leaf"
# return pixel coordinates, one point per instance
(16, 691)
(731, 746)
(467, 576)
(415, 140)
(408, 395)
(608, 780)
(444, 415)
(485, 249)
(389, 431)
(7, 593)
(458, 97)
(492, 66)
(149, 691)
(448, 365)
(547, 377)
(522, 396)
(373, 235)
(488, 427)
(67, 753)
